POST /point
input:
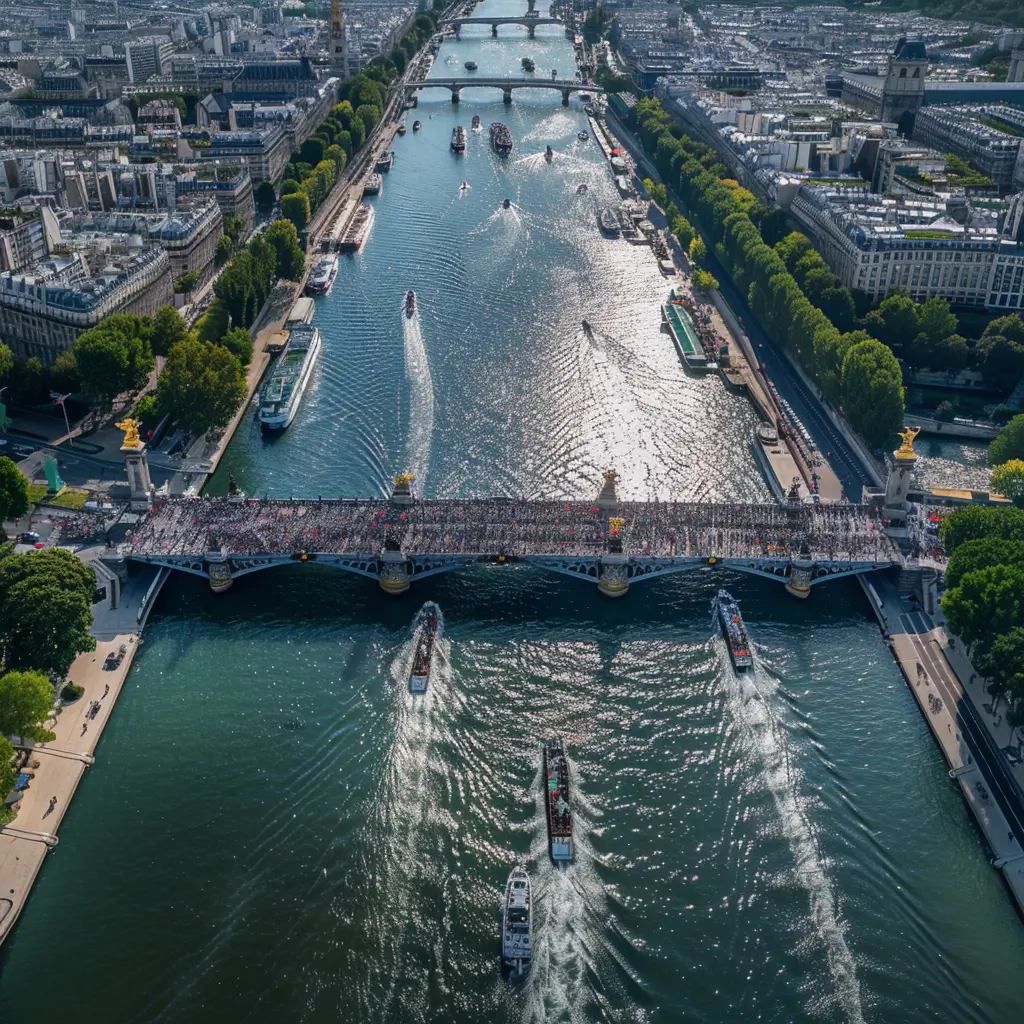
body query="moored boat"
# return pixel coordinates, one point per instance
(609, 222)
(374, 185)
(321, 277)
(410, 303)
(401, 129)
(282, 393)
(425, 627)
(517, 924)
(766, 444)
(684, 334)
(582, 136)
(733, 629)
(459, 139)
(417, 125)
(358, 229)
(581, 188)
(556, 799)
(501, 138)
(385, 162)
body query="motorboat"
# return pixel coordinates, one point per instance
(506, 203)
(401, 129)
(470, 65)
(459, 139)
(609, 221)
(464, 187)
(727, 608)
(548, 154)
(410, 303)
(529, 65)
(476, 122)
(581, 188)
(556, 801)
(517, 925)
(425, 626)
(583, 136)
(417, 125)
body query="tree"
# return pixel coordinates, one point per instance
(976, 522)
(295, 207)
(982, 553)
(64, 375)
(291, 261)
(214, 323)
(114, 357)
(223, 251)
(1011, 327)
(184, 284)
(53, 565)
(773, 225)
(6, 360)
(289, 186)
(985, 604)
(26, 700)
(872, 391)
(8, 773)
(1008, 480)
(934, 319)
(168, 330)
(265, 196)
(698, 250)
(202, 385)
(234, 227)
(1008, 443)
(1002, 360)
(683, 230)
(895, 320)
(13, 493)
(312, 151)
(1003, 663)
(239, 344)
(704, 280)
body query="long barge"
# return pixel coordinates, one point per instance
(556, 801)
(358, 229)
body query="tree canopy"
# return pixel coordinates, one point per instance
(284, 238)
(1008, 480)
(168, 330)
(1008, 443)
(26, 701)
(202, 385)
(13, 492)
(114, 357)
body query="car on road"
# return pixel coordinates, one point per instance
(30, 537)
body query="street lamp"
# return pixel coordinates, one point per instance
(59, 399)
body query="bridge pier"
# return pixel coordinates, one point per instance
(455, 95)
(801, 569)
(394, 571)
(458, 31)
(565, 97)
(219, 571)
(506, 96)
(494, 31)
(531, 31)
(613, 575)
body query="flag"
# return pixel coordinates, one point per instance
(58, 399)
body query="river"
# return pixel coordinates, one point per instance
(276, 830)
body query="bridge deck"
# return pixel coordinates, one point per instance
(192, 527)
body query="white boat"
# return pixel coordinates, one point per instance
(517, 924)
(374, 185)
(321, 277)
(282, 393)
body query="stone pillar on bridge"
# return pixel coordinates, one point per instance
(608, 500)
(458, 30)
(613, 569)
(455, 93)
(506, 95)
(565, 97)
(494, 30)
(801, 571)
(136, 466)
(219, 570)
(531, 31)
(401, 493)
(394, 569)
(897, 486)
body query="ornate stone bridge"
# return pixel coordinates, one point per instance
(565, 86)
(530, 23)
(611, 543)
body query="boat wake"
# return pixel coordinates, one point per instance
(759, 712)
(421, 400)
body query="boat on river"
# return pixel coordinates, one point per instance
(401, 129)
(410, 303)
(282, 393)
(459, 139)
(517, 925)
(581, 188)
(582, 136)
(733, 629)
(321, 277)
(556, 799)
(529, 65)
(470, 65)
(425, 628)
(385, 162)
(417, 125)
(609, 221)
(501, 138)
(358, 229)
(549, 154)
(476, 122)
(684, 334)
(374, 185)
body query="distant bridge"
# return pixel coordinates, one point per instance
(530, 23)
(456, 85)
(613, 544)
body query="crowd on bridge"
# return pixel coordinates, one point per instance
(510, 527)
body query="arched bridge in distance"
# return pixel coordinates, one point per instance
(529, 23)
(613, 544)
(563, 85)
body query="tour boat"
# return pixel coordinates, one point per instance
(283, 391)
(426, 628)
(476, 122)
(548, 154)
(556, 797)
(459, 139)
(385, 162)
(501, 138)
(410, 303)
(321, 277)
(582, 136)
(735, 632)
(358, 229)
(581, 188)
(517, 925)
(417, 125)
(374, 185)
(401, 129)
(766, 442)
(528, 64)
(471, 65)
(609, 222)
(506, 203)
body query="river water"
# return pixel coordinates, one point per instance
(276, 831)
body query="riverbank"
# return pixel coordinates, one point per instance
(972, 735)
(58, 766)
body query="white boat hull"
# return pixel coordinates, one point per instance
(281, 420)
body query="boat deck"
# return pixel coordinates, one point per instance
(685, 334)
